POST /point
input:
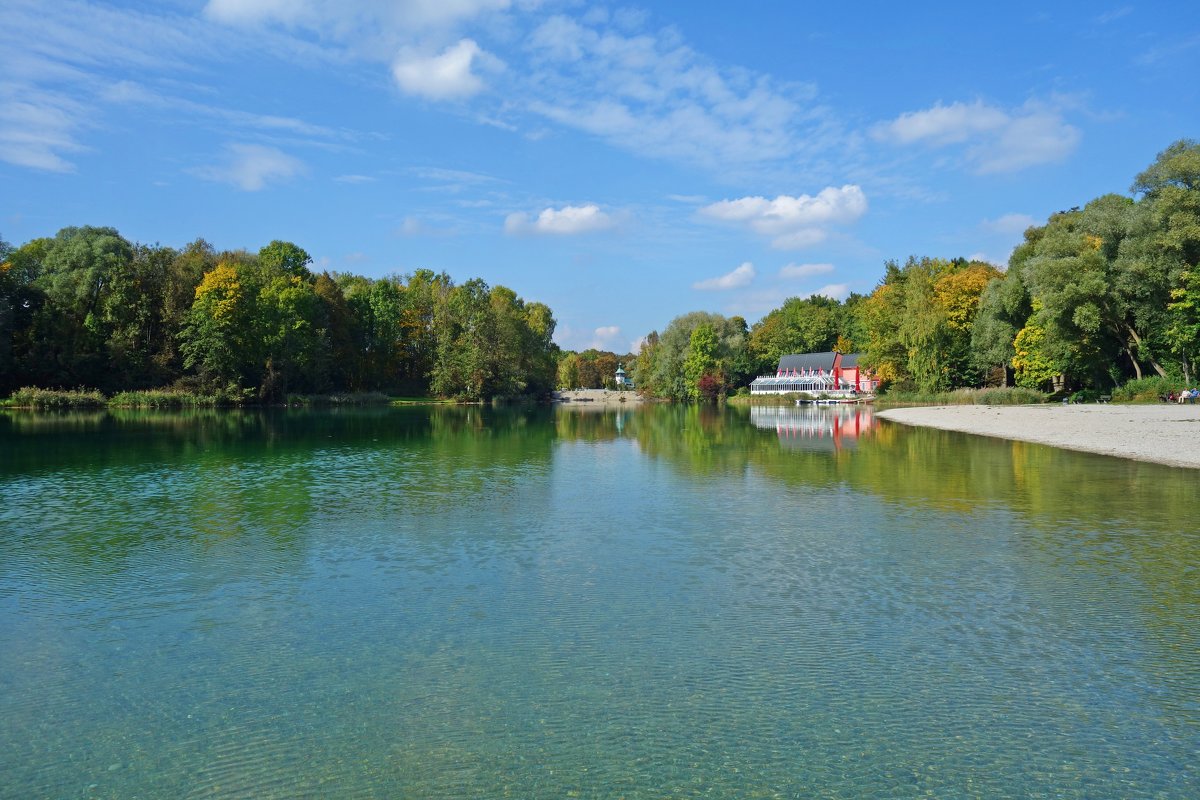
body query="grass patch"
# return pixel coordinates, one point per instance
(338, 399)
(45, 399)
(788, 399)
(419, 401)
(171, 398)
(1010, 396)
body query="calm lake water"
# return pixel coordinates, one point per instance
(665, 602)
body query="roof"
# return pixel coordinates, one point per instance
(813, 361)
(816, 361)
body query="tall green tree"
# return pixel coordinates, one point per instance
(1170, 190)
(219, 339)
(801, 325)
(660, 370)
(77, 275)
(920, 319)
(701, 367)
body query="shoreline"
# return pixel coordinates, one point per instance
(1163, 434)
(596, 397)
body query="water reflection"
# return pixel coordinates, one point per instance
(815, 427)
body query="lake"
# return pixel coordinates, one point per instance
(667, 601)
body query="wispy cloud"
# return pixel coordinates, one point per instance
(132, 93)
(251, 167)
(793, 222)
(995, 140)
(800, 271)
(443, 175)
(1008, 224)
(346, 20)
(739, 277)
(38, 129)
(651, 93)
(1167, 50)
(565, 221)
(1114, 15)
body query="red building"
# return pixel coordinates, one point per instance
(830, 372)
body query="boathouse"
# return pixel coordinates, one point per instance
(830, 373)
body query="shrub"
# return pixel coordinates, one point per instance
(171, 398)
(33, 397)
(341, 399)
(1009, 396)
(1146, 390)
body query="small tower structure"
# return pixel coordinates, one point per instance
(621, 380)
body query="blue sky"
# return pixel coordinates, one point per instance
(622, 163)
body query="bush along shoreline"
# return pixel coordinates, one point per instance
(1010, 396)
(35, 398)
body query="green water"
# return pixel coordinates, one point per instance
(667, 602)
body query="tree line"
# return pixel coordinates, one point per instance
(1095, 297)
(89, 308)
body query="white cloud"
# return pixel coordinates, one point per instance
(250, 167)
(797, 271)
(834, 291)
(941, 124)
(446, 76)
(565, 221)
(354, 179)
(1038, 138)
(742, 276)
(793, 222)
(637, 344)
(997, 140)
(1008, 224)
(602, 337)
(981, 256)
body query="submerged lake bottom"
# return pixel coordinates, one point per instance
(644, 603)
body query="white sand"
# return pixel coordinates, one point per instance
(1165, 434)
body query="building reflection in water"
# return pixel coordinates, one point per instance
(815, 427)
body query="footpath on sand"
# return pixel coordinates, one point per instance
(1165, 434)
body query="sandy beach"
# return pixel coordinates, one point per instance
(1165, 434)
(596, 397)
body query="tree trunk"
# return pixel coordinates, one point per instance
(1137, 340)
(1137, 368)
